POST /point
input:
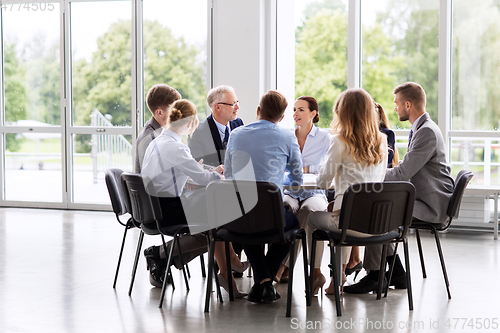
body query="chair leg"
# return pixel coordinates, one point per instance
(182, 260)
(229, 274)
(202, 263)
(211, 273)
(169, 260)
(215, 270)
(187, 270)
(441, 257)
(331, 271)
(408, 277)
(136, 261)
(168, 274)
(217, 284)
(381, 272)
(421, 254)
(290, 280)
(391, 269)
(333, 262)
(121, 253)
(311, 264)
(306, 278)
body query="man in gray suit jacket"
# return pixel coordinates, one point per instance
(424, 165)
(159, 100)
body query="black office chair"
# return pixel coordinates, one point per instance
(257, 212)
(145, 209)
(118, 202)
(383, 210)
(463, 178)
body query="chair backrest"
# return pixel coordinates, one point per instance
(116, 191)
(143, 207)
(246, 207)
(461, 182)
(377, 208)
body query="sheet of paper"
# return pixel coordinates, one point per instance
(309, 178)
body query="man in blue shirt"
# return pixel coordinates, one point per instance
(272, 150)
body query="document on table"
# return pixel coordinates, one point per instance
(309, 178)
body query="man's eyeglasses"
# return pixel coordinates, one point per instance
(231, 104)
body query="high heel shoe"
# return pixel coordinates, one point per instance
(223, 284)
(331, 291)
(282, 275)
(318, 284)
(235, 268)
(357, 269)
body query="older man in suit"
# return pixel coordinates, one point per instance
(424, 165)
(210, 139)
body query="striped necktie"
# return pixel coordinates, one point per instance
(409, 138)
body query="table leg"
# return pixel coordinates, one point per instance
(495, 217)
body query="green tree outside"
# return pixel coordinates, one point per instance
(172, 61)
(15, 93)
(394, 50)
(105, 83)
(321, 59)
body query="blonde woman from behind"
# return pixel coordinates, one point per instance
(357, 154)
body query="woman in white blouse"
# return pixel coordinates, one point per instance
(358, 154)
(168, 164)
(313, 145)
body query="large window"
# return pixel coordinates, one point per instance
(101, 54)
(68, 96)
(400, 42)
(102, 61)
(476, 65)
(32, 117)
(321, 52)
(175, 48)
(475, 116)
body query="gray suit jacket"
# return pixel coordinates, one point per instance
(151, 130)
(424, 165)
(206, 142)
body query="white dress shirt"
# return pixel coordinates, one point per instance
(313, 155)
(222, 129)
(168, 159)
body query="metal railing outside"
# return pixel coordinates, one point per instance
(108, 151)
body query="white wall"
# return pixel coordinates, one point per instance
(243, 33)
(285, 56)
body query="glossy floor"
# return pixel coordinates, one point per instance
(57, 269)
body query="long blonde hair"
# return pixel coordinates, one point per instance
(356, 121)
